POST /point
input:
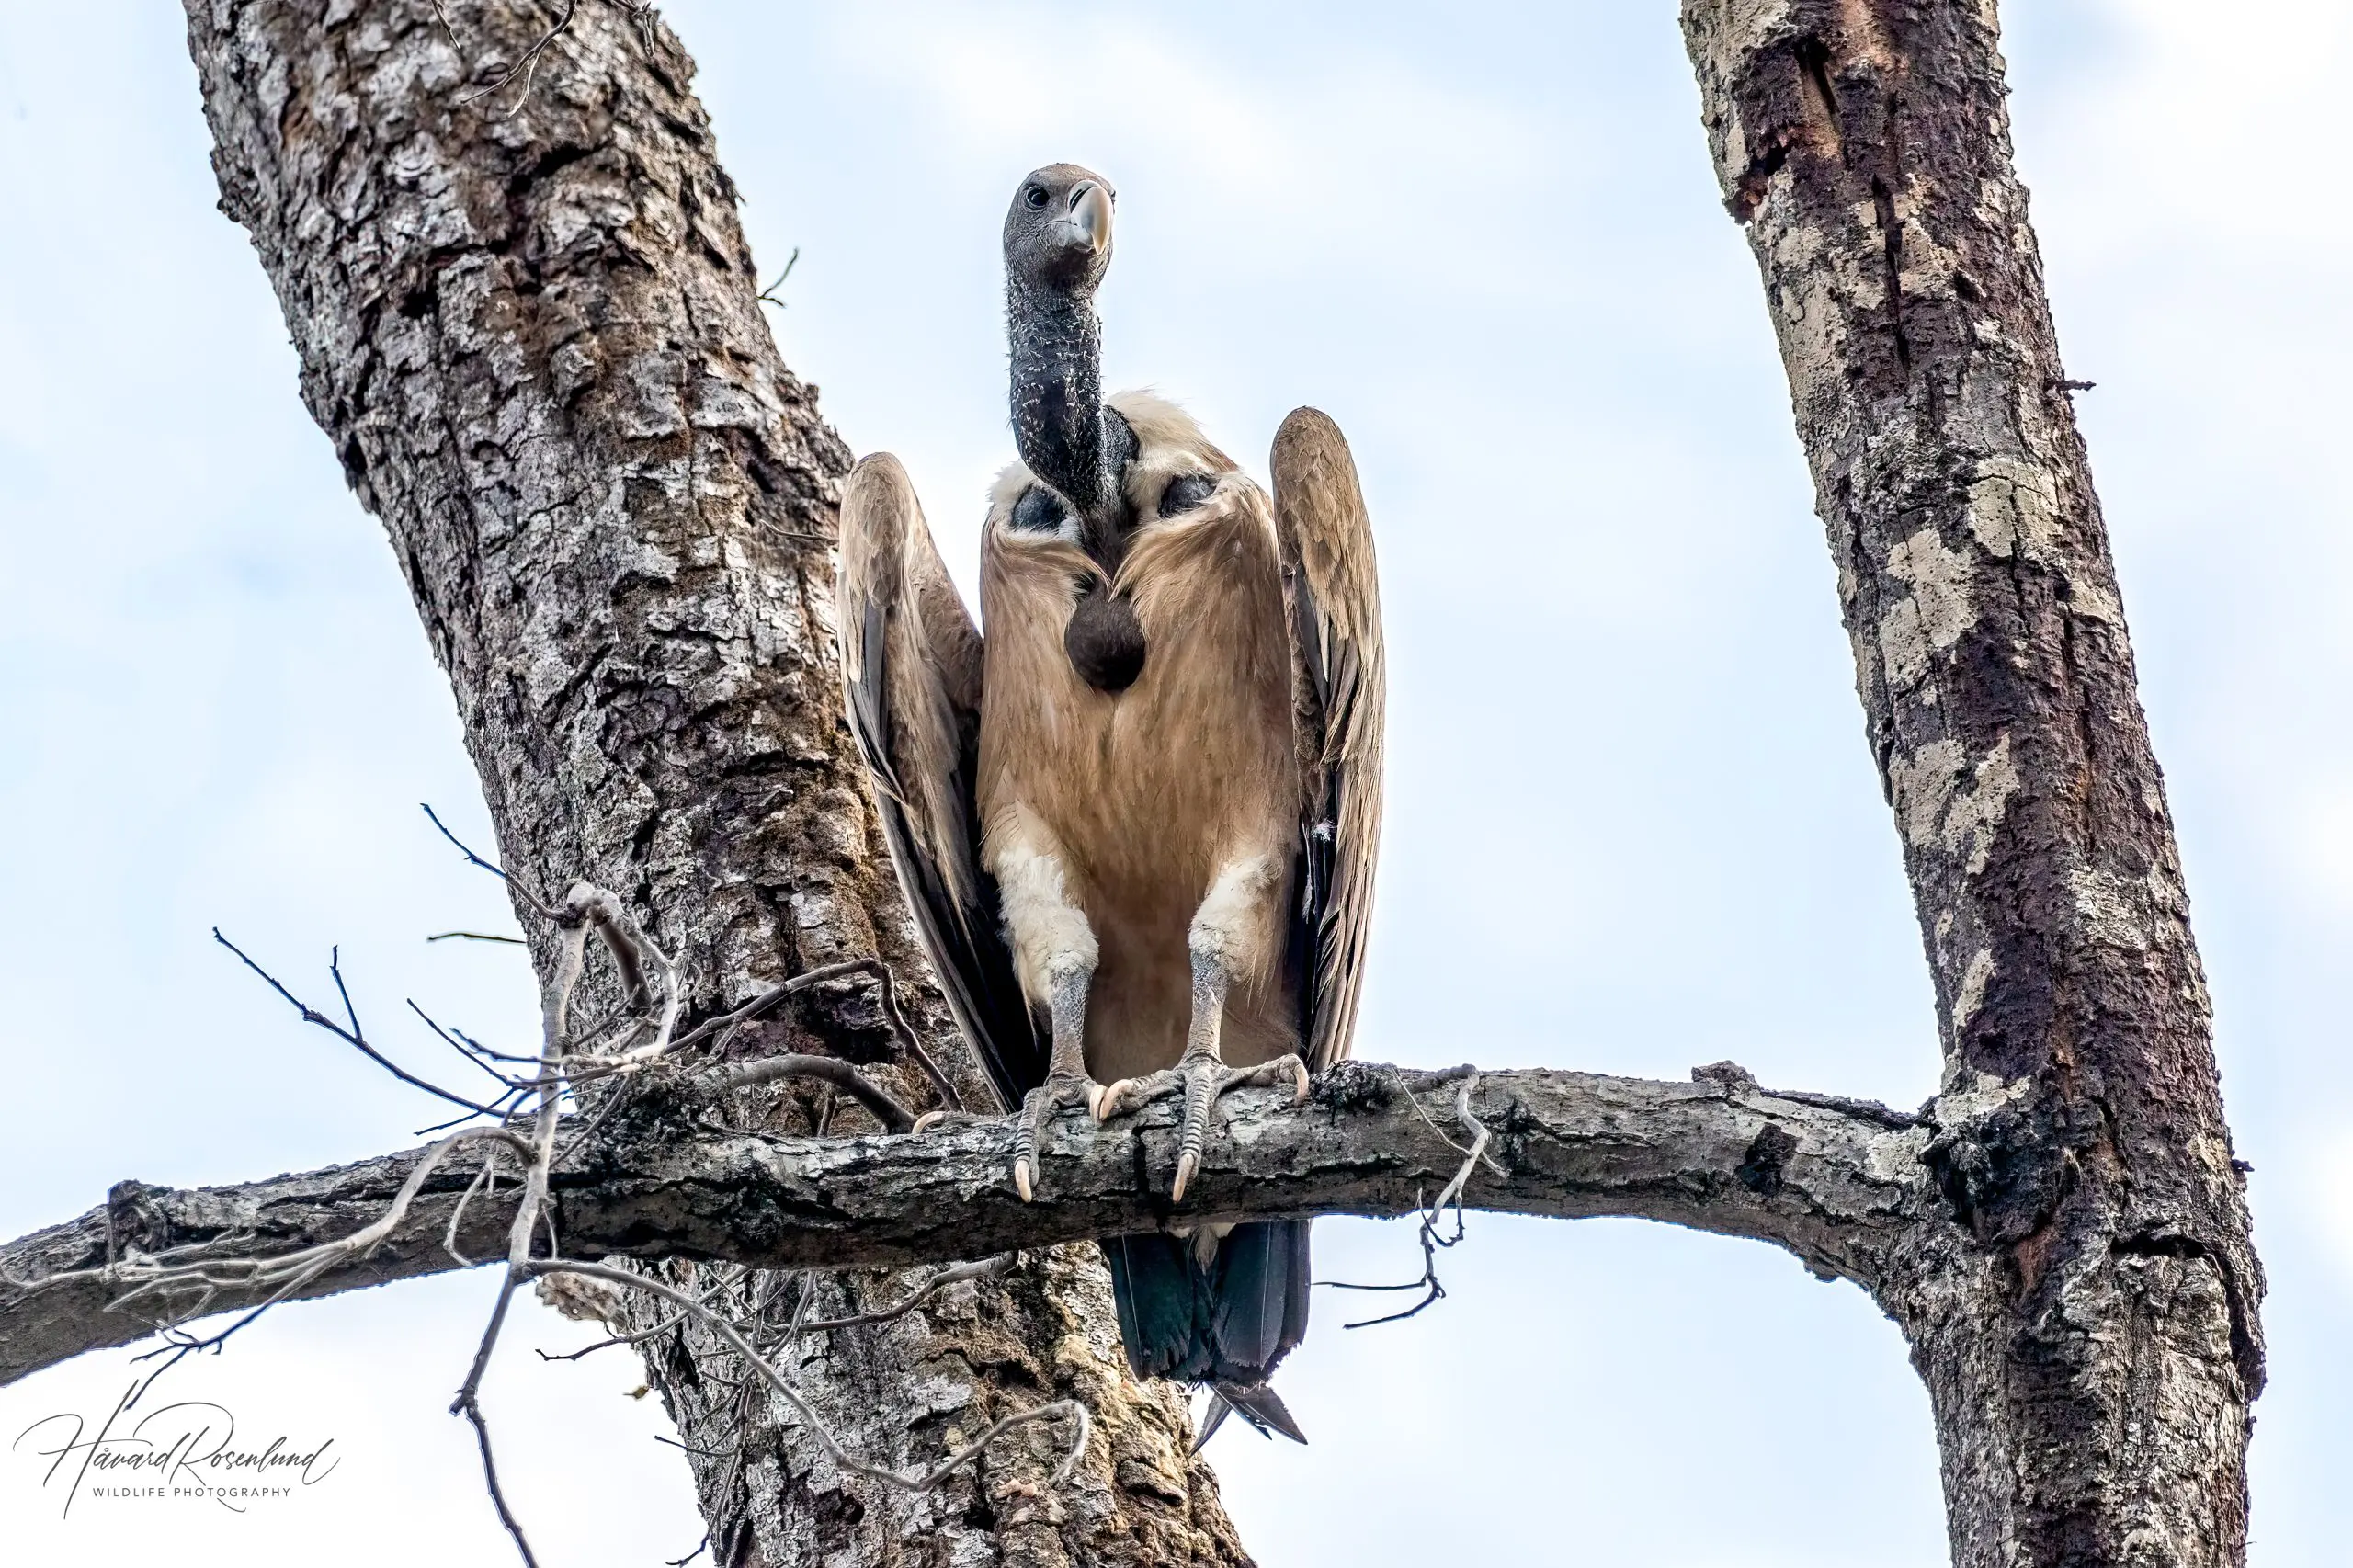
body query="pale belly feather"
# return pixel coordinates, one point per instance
(1149, 794)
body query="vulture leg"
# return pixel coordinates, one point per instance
(1053, 944)
(1067, 1080)
(1201, 1074)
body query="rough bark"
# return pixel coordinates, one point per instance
(1839, 1185)
(2089, 1334)
(527, 320)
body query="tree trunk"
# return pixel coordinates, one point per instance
(527, 319)
(2088, 1332)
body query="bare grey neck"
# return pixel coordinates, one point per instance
(1064, 434)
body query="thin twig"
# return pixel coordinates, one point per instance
(471, 1409)
(923, 1481)
(954, 1274)
(768, 295)
(539, 908)
(179, 1345)
(832, 1070)
(352, 1036)
(529, 66)
(729, 1278)
(1465, 1079)
(467, 1043)
(476, 937)
(466, 1053)
(527, 1214)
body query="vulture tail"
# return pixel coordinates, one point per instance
(1227, 1324)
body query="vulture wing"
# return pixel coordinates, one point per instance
(911, 673)
(1339, 688)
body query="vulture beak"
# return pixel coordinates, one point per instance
(1089, 226)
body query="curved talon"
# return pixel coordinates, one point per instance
(1059, 1089)
(1187, 1163)
(1128, 1094)
(1034, 1109)
(1124, 1096)
(928, 1120)
(1206, 1080)
(1202, 1076)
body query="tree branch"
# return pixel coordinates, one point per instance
(1839, 1189)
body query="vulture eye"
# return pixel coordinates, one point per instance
(1039, 511)
(1035, 196)
(1184, 492)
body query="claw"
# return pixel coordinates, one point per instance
(1129, 1093)
(1206, 1080)
(1187, 1163)
(928, 1120)
(1200, 1075)
(1058, 1090)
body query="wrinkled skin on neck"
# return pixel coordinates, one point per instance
(1065, 434)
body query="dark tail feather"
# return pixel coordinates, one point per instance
(1228, 1325)
(1258, 1405)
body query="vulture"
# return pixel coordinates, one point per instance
(1137, 820)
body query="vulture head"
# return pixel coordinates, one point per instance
(1058, 231)
(1057, 247)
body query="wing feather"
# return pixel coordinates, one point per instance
(1340, 688)
(911, 677)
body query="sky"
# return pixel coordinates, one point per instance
(1632, 822)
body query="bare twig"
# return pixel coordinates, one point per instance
(768, 295)
(721, 1031)
(468, 1044)
(528, 1212)
(527, 67)
(352, 1034)
(731, 1278)
(538, 907)
(831, 1070)
(467, 1052)
(1465, 1080)
(922, 1481)
(985, 1268)
(476, 937)
(178, 1345)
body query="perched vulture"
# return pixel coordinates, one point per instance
(1138, 823)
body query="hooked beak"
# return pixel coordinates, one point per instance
(1088, 223)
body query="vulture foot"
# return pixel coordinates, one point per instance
(1203, 1080)
(1058, 1090)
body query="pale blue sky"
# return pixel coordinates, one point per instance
(1633, 823)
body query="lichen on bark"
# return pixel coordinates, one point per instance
(2093, 1346)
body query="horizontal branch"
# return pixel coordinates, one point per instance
(1838, 1183)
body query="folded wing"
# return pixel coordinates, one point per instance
(1339, 688)
(910, 676)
